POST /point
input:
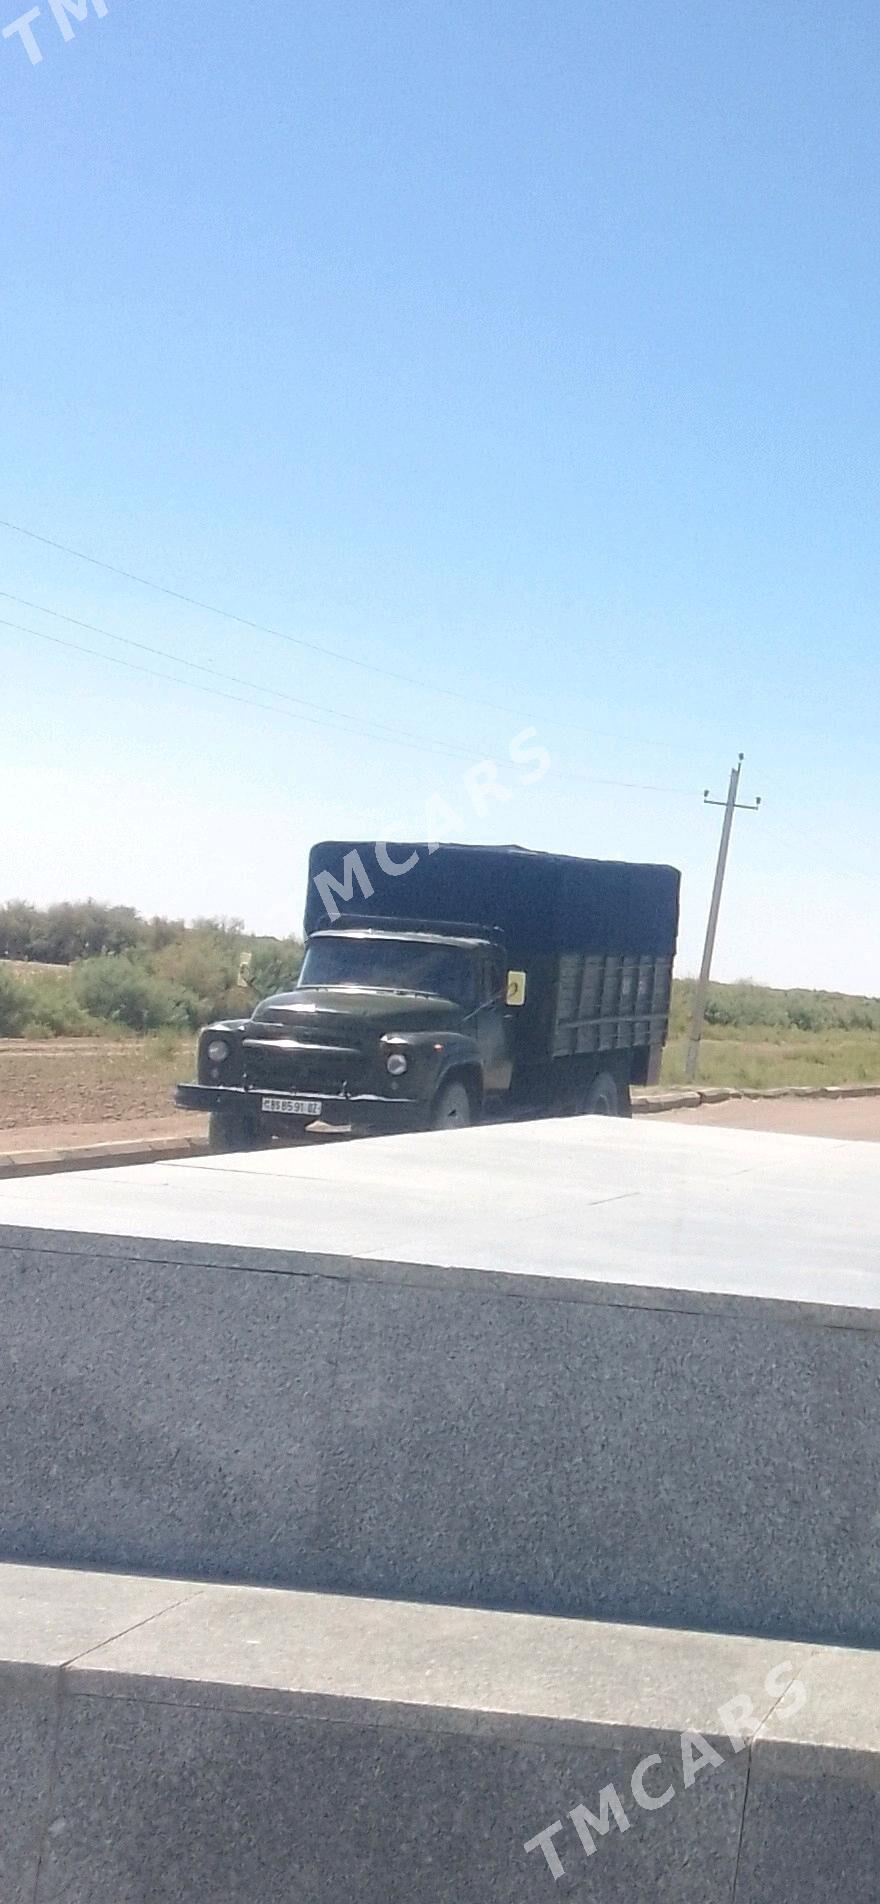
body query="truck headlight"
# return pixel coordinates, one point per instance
(397, 1064)
(218, 1050)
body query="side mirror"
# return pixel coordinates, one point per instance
(516, 988)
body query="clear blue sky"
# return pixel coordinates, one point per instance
(527, 350)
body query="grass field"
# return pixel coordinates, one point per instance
(756, 1061)
(757, 1037)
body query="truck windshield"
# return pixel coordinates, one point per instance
(402, 965)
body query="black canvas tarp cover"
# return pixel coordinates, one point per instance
(542, 902)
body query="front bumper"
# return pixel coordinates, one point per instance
(386, 1114)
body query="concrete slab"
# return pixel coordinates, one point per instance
(588, 1201)
(160, 1420)
(48, 1618)
(835, 1726)
(813, 1817)
(811, 1839)
(29, 1714)
(574, 1368)
(157, 1804)
(597, 1459)
(249, 1745)
(439, 1667)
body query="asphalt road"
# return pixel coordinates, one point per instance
(851, 1117)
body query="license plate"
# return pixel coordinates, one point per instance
(294, 1106)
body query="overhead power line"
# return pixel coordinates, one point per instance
(633, 786)
(313, 647)
(260, 628)
(393, 736)
(201, 687)
(235, 680)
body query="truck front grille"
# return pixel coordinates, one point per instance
(269, 1070)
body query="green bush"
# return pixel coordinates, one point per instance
(275, 965)
(123, 991)
(746, 1006)
(863, 1017)
(13, 1005)
(53, 1009)
(182, 986)
(205, 967)
(808, 1014)
(202, 970)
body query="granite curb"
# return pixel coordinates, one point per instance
(691, 1100)
(43, 1163)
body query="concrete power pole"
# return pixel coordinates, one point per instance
(731, 806)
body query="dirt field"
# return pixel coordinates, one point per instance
(76, 1090)
(89, 1091)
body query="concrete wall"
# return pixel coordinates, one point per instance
(175, 1743)
(535, 1443)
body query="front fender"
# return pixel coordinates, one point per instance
(231, 1070)
(434, 1054)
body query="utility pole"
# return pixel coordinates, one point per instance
(731, 806)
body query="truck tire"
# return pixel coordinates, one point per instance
(232, 1129)
(607, 1097)
(452, 1108)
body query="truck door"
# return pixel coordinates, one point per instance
(491, 1023)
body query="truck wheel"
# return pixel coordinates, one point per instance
(607, 1098)
(452, 1107)
(232, 1130)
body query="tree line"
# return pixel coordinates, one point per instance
(123, 970)
(86, 929)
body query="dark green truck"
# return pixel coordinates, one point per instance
(444, 983)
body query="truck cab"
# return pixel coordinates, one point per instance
(389, 1027)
